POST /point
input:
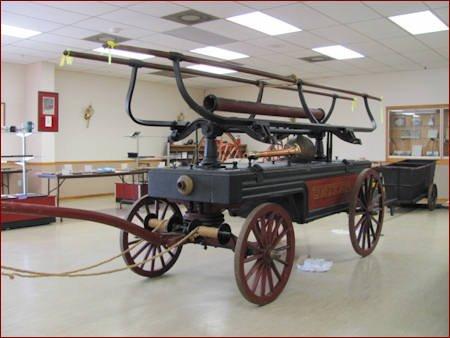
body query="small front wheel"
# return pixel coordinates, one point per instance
(140, 213)
(264, 253)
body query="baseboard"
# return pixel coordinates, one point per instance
(73, 197)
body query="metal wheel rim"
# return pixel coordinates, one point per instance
(145, 250)
(432, 197)
(258, 275)
(366, 211)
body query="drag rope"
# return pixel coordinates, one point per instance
(15, 272)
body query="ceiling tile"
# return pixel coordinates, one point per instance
(405, 44)
(392, 59)
(305, 39)
(368, 64)
(442, 13)
(434, 40)
(74, 32)
(230, 30)
(90, 8)
(274, 44)
(220, 9)
(390, 8)
(39, 45)
(344, 11)
(157, 8)
(199, 35)
(341, 34)
(42, 12)
(260, 5)
(378, 29)
(428, 58)
(65, 41)
(436, 4)
(443, 52)
(143, 21)
(246, 48)
(370, 48)
(301, 16)
(171, 42)
(27, 22)
(105, 26)
(6, 40)
(127, 3)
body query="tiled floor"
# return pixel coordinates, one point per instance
(401, 289)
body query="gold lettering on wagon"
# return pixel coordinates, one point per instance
(330, 190)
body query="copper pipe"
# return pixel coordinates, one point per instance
(283, 152)
(214, 103)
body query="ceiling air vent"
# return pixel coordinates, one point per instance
(190, 17)
(169, 73)
(316, 58)
(104, 37)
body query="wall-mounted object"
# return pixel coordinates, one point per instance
(3, 115)
(48, 111)
(87, 115)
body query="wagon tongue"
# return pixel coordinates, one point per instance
(88, 215)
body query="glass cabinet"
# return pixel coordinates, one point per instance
(417, 131)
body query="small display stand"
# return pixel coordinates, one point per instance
(11, 221)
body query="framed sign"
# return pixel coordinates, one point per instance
(3, 116)
(47, 111)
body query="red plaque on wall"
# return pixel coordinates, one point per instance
(47, 111)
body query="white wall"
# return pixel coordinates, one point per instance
(13, 94)
(105, 138)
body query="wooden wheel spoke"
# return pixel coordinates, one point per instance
(279, 237)
(375, 220)
(275, 231)
(257, 277)
(359, 222)
(253, 269)
(140, 250)
(147, 208)
(361, 229)
(281, 248)
(140, 218)
(269, 278)
(252, 258)
(146, 256)
(263, 280)
(258, 236)
(133, 242)
(163, 216)
(275, 270)
(153, 260)
(161, 258)
(254, 246)
(279, 260)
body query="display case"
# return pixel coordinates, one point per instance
(417, 131)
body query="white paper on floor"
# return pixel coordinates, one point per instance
(315, 265)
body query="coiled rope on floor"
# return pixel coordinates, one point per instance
(12, 272)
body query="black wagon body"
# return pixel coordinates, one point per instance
(408, 181)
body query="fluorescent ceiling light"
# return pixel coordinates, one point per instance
(18, 32)
(123, 53)
(219, 53)
(212, 69)
(338, 52)
(264, 23)
(419, 22)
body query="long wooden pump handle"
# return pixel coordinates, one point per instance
(214, 103)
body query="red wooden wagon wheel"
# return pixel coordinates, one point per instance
(366, 212)
(264, 253)
(141, 212)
